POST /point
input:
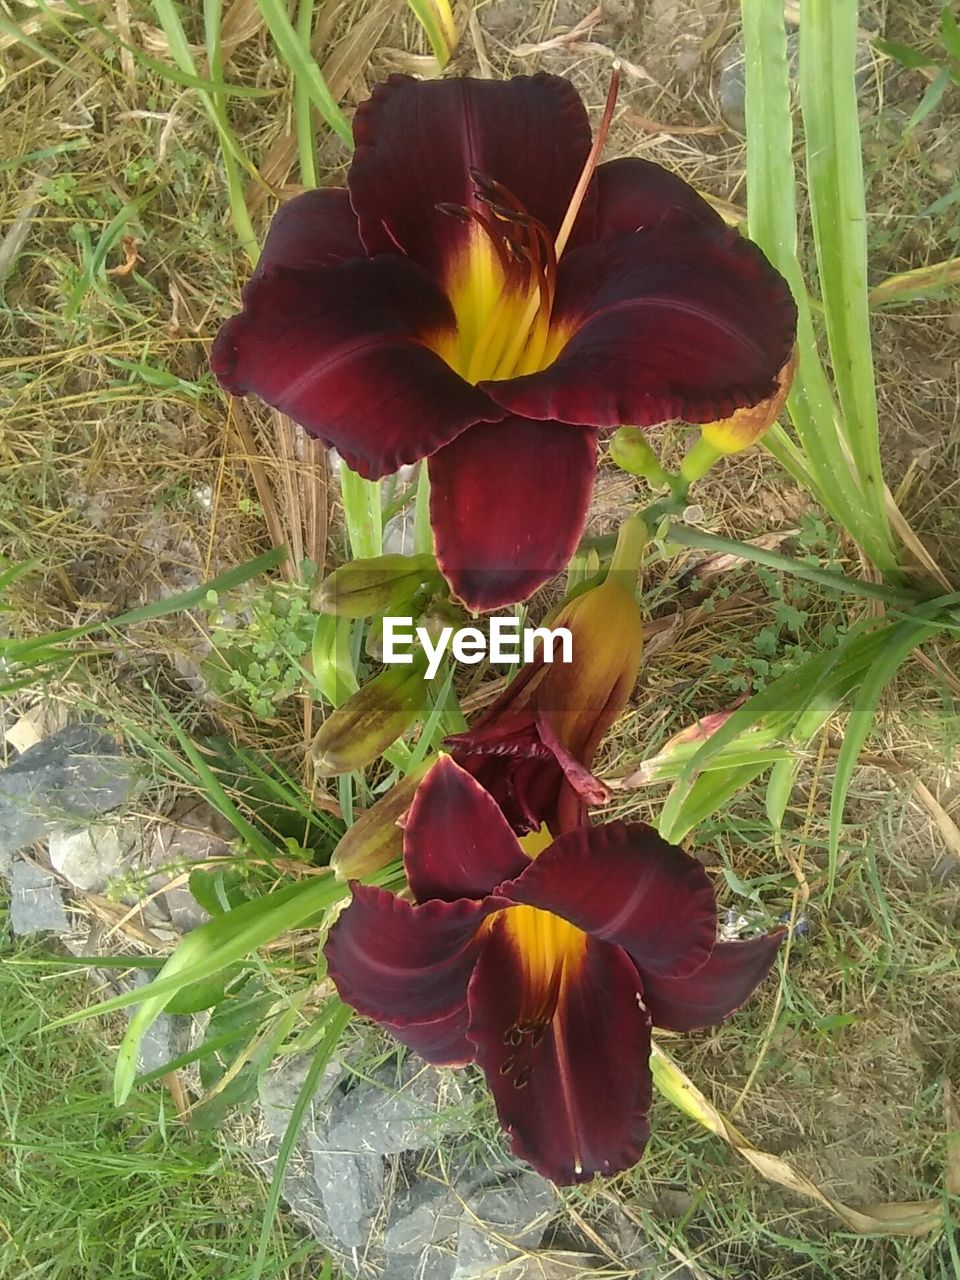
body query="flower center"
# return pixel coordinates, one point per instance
(503, 285)
(503, 288)
(551, 951)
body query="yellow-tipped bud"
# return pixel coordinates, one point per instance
(367, 723)
(363, 588)
(746, 426)
(376, 838)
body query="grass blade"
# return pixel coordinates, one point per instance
(302, 109)
(772, 223)
(828, 97)
(898, 647)
(335, 1016)
(303, 66)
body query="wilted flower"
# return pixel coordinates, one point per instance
(467, 298)
(533, 748)
(547, 968)
(743, 428)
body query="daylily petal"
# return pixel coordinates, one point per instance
(575, 1101)
(408, 967)
(456, 841)
(681, 321)
(726, 981)
(341, 351)
(508, 502)
(316, 229)
(634, 193)
(416, 142)
(623, 883)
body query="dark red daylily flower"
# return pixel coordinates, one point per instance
(422, 312)
(533, 748)
(546, 968)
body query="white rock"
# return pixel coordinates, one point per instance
(90, 858)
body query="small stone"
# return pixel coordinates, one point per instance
(91, 858)
(164, 1040)
(351, 1189)
(194, 832)
(280, 1087)
(426, 1214)
(36, 905)
(389, 1115)
(435, 1262)
(501, 1220)
(71, 777)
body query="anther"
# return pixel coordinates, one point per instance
(522, 1077)
(458, 211)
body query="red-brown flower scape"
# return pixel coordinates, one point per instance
(546, 965)
(468, 299)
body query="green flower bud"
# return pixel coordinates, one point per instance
(376, 838)
(632, 453)
(362, 588)
(368, 722)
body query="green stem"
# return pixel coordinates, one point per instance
(362, 513)
(303, 111)
(631, 541)
(422, 533)
(685, 536)
(698, 460)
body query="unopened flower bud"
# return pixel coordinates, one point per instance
(363, 588)
(376, 838)
(368, 722)
(631, 451)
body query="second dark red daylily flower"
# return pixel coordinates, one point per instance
(422, 312)
(546, 966)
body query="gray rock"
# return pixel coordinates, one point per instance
(389, 1115)
(36, 905)
(71, 777)
(164, 1040)
(280, 1087)
(426, 1214)
(435, 1262)
(501, 1220)
(92, 857)
(350, 1188)
(167, 1036)
(194, 832)
(731, 87)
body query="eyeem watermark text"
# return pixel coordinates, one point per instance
(506, 643)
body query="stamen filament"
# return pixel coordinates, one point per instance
(510, 361)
